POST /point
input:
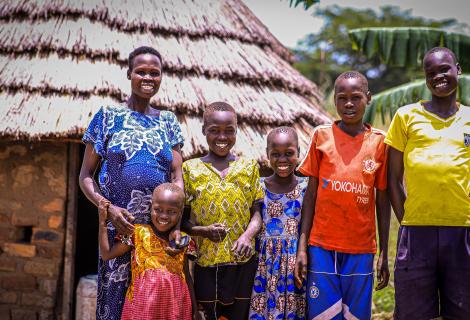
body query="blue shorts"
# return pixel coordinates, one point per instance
(339, 285)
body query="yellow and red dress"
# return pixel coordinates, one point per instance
(158, 289)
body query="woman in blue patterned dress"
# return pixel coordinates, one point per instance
(275, 295)
(137, 148)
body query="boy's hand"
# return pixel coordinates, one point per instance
(121, 218)
(383, 274)
(300, 271)
(174, 235)
(242, 247)
(215, 232)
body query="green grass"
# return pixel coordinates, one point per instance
(383, 301)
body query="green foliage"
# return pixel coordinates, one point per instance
(306, 3)
(390, 100)
(405, 47)
(324, 55)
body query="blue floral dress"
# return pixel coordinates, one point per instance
(275, 295)
(136, 156)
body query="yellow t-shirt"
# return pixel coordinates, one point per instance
(436, 156)
(227, 200)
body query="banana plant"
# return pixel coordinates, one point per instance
(406, 47)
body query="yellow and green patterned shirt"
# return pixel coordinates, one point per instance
(227, 200)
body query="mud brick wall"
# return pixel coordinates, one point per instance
(33, 189)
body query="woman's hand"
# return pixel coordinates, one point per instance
(215, 232)
(300, 271)
(121, 218)
(242, 247)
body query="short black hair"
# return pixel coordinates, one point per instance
(440, 49)
(167, 186)
(217, 106)
(282, 130)
(354, 75)
(142, 50)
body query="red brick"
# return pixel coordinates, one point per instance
(4, 218)
(6, 233)
(7, 264)
(41, 268)
(5, 311)
(8, 297)
(46, 236)
(49, 251)
(47, 315)
(37, 299)
(24, 219)
(19, 282)
(19, 249)
(55, 222)
(49, 287)
(23, 176)
(54, 206)
(21, 314)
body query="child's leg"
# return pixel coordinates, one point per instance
(323, 285)
(454, 272)
(243, 280)
(416, 276)
(357, 279)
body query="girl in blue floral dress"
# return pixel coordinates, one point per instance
(137, 148)
(275, 295)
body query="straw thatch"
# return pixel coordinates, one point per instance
(61, 60)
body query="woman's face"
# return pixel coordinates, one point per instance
(146, 75)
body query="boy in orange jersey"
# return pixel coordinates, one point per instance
(346, 161)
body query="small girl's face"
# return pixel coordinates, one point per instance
(283, 153)
(166, 210)
(220, 130)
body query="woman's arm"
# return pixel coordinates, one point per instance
(93, 193)
(383, 209)
(107, 253)
(396, 189)
(307, 214)
(176, 171)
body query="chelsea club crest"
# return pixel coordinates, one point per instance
(466, 139)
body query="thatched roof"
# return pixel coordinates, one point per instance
(61, 60)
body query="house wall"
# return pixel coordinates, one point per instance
(33, 190)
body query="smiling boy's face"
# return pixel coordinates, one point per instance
(351, 100)
(441, 71)
(220, 129)
(166, 209)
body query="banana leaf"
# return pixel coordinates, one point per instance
(392, 99)
(406, 46)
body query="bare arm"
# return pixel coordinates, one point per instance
(176, 171)
(189, 282)
(215, 232)
(396, 189)
(107, 252)
(307, 214)
(242, 246)
(383, 209)
(93, 193)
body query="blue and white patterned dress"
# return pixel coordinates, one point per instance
(275, 295)
(136, 156)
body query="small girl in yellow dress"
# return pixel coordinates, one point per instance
(161, 286)
(224, 194)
